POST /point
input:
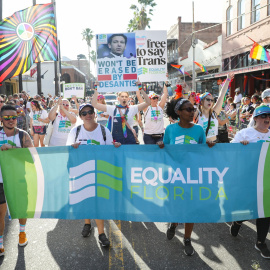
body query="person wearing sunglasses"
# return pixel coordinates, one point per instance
(63, 120)
(91, 133)
(38, 120)
(207, 113)
(153, 116)
(183, 132)
(258, 133)
(11, 137)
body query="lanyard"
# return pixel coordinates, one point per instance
(155, 117)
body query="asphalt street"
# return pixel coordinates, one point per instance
(58, 244)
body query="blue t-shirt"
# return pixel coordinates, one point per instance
(174, 134)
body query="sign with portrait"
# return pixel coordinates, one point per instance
(151, 55)
(116, 62)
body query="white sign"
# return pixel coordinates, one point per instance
(74, 89)
(151, 55)
(116, 62)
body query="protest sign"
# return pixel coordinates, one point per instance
(180, 183)
(116, 62)
(74, 89)
(151, 55)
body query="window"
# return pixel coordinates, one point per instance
(241, 14)
(226, 64)
(229, 20)
(255, 8)
(268, 7)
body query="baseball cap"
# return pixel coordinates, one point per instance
(152, 95)
(100, 97)
(266, 93)
(237, 89)
(263, 109)
(85, 105)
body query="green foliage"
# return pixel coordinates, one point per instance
(87, 34)
(93, 56)
(141, 14)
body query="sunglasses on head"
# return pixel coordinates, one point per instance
(265, 115)
(87, 112)
(189, 109)
(209, 99)
(8, 117)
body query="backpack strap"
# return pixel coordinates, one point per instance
(103, 132)
(21, 132)
(77, 132)
(55, 118)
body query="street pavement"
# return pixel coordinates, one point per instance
(58, 244)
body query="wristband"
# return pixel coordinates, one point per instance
(95, 87)
(140, 86)
(228, 79)
(229, 118)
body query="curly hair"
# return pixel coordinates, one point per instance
(171, 106)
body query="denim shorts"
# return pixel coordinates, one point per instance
(41, 130)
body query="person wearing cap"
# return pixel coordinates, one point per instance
(259, 133)
(153, 116)
(237, 98)
(121, 116)
(102, 117)
(91, 133)
(63, 121)
(206, 115)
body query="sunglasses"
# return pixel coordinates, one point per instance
(155, 98)
(209, 99)
(8, 117)
(2, 101)
(263, 116)
(189, 109)
(88, 112)
(67, 105)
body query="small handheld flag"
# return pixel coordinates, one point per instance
(202, 67)
(259, 52)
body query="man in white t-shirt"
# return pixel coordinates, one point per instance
(237, 98)
(91, 133)
(121, 116)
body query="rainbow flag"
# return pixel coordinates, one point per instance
(180, 68)
(202, 67)
(259, 52)
(26, 37)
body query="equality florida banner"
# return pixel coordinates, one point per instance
(151, 55)
(180, 183)
(116, 62)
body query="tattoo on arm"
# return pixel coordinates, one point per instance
(27, 142)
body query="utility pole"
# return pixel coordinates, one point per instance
(193, 50)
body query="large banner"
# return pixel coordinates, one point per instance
(151, 55)
(180, 183)
(74, 89)
(116, 62)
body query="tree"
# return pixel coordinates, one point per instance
(93, 56)
(141, 18)
(88, 35)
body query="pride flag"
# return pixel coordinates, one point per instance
(259, 52)
(202, 67)
(26, 37)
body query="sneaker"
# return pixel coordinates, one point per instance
(262, 247)
(22, 239)
(86, 230)
(189, 250)
(103, 240)
(171, 231)
(235, 227)
(2, 252)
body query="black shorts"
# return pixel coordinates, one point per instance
(2, 194)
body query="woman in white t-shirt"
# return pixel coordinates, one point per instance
(153, 116)
(38, 120)
(206, 115)
(91, 133)
(258, 133)
(63, 122)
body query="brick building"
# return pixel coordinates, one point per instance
(245, 18)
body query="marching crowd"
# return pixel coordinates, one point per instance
(194, 119)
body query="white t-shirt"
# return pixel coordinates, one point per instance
(132, 111)
(252, 135)
(38, 114)
(28, 106)
(237, 100)
(203, 122)
(61, 128)
(12, 140)
(154, 123)
(99, 117)
(85, 137)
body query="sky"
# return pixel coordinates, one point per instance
(107, 16)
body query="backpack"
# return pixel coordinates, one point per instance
(21, 132)
(102, 130)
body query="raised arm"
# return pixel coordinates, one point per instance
(218, 106)
(95, 104)
(146, 103)
(164, 96)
